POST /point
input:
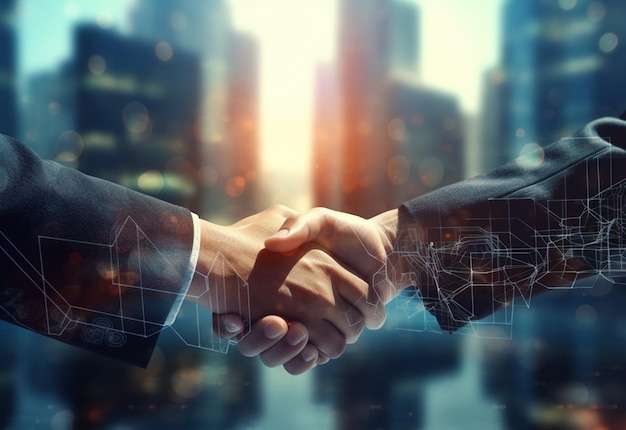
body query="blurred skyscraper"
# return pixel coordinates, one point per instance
(327, 156)
(381, 137)
(8, 68)
(48, 110)
(493, 150)
(241, 165)
(404, 54)
(8, 125)
(117, 110)
(201, 27)
(133, 117)
(425, 142)
(363, 59)
(562, 65)
(228, 123)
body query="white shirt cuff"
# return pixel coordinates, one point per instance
(193, 260)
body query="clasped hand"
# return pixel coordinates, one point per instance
(324, 272)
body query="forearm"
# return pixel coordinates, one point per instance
(224, 262)
(479, 245)
(86, 261)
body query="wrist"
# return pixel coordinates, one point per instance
(213, 273)
(387, 224)
(394, 225)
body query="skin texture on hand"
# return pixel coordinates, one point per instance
(305, 285)
(393, 252)
(463, 273)
(364, 245)
(274, 340)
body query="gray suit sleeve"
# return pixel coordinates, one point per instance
(554, 217)
(86, 261)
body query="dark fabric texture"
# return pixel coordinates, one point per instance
(530, 201)
(86, 261)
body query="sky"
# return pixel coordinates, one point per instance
(44, 28)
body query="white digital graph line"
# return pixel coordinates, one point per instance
(469, 274)
(464, 274)
(107, 297)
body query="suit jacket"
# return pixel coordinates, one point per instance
(554, 218)
(86, 261)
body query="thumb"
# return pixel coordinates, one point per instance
(295, 231)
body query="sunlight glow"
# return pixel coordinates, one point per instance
(294, 37)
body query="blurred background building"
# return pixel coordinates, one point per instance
(169, 98)
(392, 139)
(8, 125)
(560, 66)
(151, 146)
(8, 68)
(228, 119)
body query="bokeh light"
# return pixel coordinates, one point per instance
(97, 65)
(164, 51)
(431, 171)
(608, 42)
(151, 182)
(69, 146)
(136, 119)
(531, 155)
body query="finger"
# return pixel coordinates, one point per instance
(342, 315)
(322, 358)
(347, 319)
(227, 326)
(359, 302)
(264, 334)
(327, 338)
(304, 361)
(287, 348)
(297, 230)
(365, 301)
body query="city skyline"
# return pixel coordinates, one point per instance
(286, 93)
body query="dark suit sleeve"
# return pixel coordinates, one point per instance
(551, 219)
(86, 261)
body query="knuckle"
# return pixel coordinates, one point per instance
(319, 210)
(279, 209)
(355, 332)
(283, 210)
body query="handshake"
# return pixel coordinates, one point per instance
(309, 282)
(296, 288)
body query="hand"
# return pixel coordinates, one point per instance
(458, 278)
(237, 275)
(364, 245)
(446, 284)
(274, 340)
